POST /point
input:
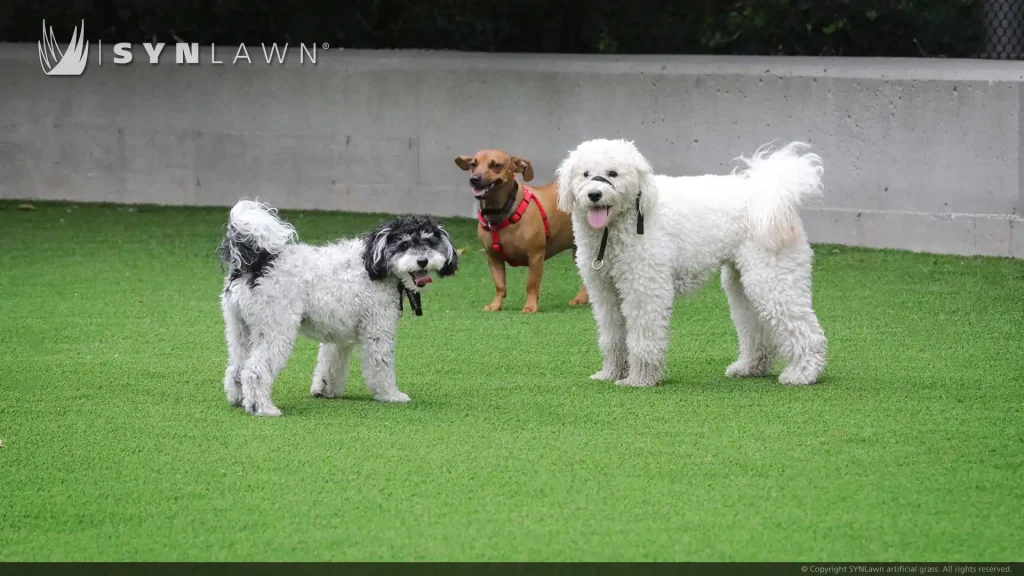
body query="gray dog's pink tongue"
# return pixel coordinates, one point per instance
(597, 217)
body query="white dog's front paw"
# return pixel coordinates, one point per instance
(642, 375)
(234, 397)
(268, 410)
(794, 376)
(609, 374)
(321, 389)
(746, 369)
(634, 382)
(233, 390)
(260, 407)
(396, 398)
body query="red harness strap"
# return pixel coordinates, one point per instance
(515, 217)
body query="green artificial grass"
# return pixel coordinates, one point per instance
(119, 445)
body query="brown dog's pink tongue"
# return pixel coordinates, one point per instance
(597, 217)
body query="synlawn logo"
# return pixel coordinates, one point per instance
(72, 62)
(57, 63)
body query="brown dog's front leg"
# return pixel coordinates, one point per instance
(498, 275)
(533, 283)
(581, 297)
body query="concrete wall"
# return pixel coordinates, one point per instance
(919, 154)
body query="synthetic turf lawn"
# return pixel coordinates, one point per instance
(119, 444)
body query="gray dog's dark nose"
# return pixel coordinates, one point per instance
(422, 262)
(594, 196)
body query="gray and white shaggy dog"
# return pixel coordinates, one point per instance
(345, 293)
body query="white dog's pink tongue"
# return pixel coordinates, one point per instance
(597, 217)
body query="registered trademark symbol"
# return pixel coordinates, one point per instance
(326, 45)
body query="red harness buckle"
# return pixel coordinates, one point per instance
(515, 217)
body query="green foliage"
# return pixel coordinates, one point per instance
(791, 27)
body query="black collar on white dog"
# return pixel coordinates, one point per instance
(414, 299)
(639, 214)
(598, 262)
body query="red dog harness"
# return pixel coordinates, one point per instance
(512, 219)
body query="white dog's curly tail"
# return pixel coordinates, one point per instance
(255, 235)
(783, 181)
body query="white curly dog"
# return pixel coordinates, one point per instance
(644, 238)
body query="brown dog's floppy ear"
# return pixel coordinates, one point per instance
(524, 167)
(463, 162)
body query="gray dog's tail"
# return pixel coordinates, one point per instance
(255, 236)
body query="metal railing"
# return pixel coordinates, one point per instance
(1004, 29)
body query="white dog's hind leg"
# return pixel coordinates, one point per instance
(779, 286)
(377, 357)
(648, 312)
(755, 342)
(331, 374)
(269, 351)
(238, 351)
(611, 329)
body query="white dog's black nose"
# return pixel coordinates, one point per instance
(594, 196)
(422, 262)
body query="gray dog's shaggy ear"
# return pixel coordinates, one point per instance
(374, 254)
(451, 261)
(563, 177)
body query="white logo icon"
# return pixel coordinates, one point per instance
(57, 63)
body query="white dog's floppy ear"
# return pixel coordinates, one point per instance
(563, 177)
(374, 257)
(649, 196)
(648, 191)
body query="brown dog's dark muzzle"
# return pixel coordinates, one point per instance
(481, 187)
(481, 183)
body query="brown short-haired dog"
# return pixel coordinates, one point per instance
(519, 225)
